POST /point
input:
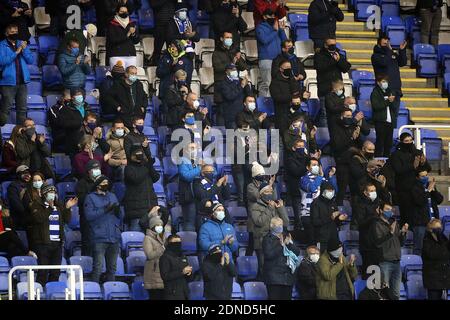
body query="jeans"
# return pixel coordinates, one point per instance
(383, 144)
(265, 69)
(391, 274)
(419, 234)
(279, 292)
(133, 225)
(189, 216)
(48, 254)
(109, 251)
(431, 23)
(11, 94)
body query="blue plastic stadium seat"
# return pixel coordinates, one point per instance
(22, 290)
(390, 9)
(255, 291)
(118, 188)
(362, 12)
(63, 165)
(193, 262)
(360, 285)
(237, 293)
(91, 290)
(72, 241)
(188, 241)
(66, 190)
(86, 263)
(39, 116)
(322, 137)
(132, 240)
(426, 59)
(196, 290)
(116, 290)
(48, 43)
(51, 76)
(247, 267)
(410, 264)
(138, 292)
(146, 19)
(265, 104)
(74, 223)
(55, 290)
(136, 263)
(395, 28)
(414, 288)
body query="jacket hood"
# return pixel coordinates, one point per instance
(110, 135)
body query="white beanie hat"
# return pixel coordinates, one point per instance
(257, 169)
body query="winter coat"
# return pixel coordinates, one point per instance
(326, 277)
(218, 279)
(17, 207)
(9, 157)
(364, 214)
(187, 172)
(84, 186)
(329, 70)
(232, 94)
(261, 5)
(306, 280)
(252, 118)
(7, 63)
(428, 4)
(200, 192)
(322, 17)
(133, 139)
(163, 10)
(435, 258)
(342, 142)
(222, 57)
(213, 232)
(325, 229)
(74, 75)
(223, 20)
(117, 148)
(380, 105)
(386, 61)
(118, 44)
(172, 106)
(166, 71)
(34, 155)
(269, 41)
(154, 249)
(296, 64)
(275, 269)
(23, 21)
(81, 160)
(420, 200)
(388, 245)
(282, 90)
(104, 226)
(175, 282)
(334, 105)
(295, 164)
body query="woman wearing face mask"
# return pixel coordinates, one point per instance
(435, 257)
(121, 37)
(81, 159)
(154, 249)
(33, 190)
(218, 271)
(336, 274)
(47, 219)
(307, 273)
(384, 115)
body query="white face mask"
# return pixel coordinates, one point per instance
(251, 106)
(352, 107)
(314, 257)
(96, 172)
(336, 253)
(315, 170)
(328, 194)
(196, 104)
(234, 75)
(384, 85)
(182, 15)
(220, 215)
(50, 197)
(372, 195)
(120, 132)
(159, 229)
(339, 92)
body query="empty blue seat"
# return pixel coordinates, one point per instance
(51, 78)
(390, 9)
(193, 262)
(299, 26)
(86, 263)
(349, 238)
(55, 290)
(237, 293)
(433, 148)
(313, 107)
(414, 288)
(426, 59)
(255, 291)
(360, 285)
(36, 101)
(118, 188)
(410, 264)
(63, 165)
(135, 264)
(242, 237)
(322, 136)
(196, 290)
(72, 241)
(176, 216)
(91, 290)
(146, 19)
(74, 223)
(395, 28)
(138, 292)
(365, 107)
(361, 77)
(22, 290)
(188, 241)
(238, 213)
(116, 290)
(48, 43)
(362, 12)
(265, 104)
(4, 265)
(364, 92)
(39, 116)
(247, 267)
(35, 87)
(66, 190)
(132, 240)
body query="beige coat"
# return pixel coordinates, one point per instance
(154, 249)
(116, 144)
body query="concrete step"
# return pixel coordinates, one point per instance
(414, 82)
(421, 92)
(423, 101)
(351, 26)
(426, 112)
(357, 44)
(356, 34)
(305, 5)
(429, 120)
(406, 72)
(348, 16)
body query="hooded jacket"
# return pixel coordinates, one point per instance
(74, 75)
(7, 63)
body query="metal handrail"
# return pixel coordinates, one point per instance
(71, 290)
(417, 127)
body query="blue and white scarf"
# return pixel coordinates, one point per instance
(54, 225)
(207, 186)
(182, 25)
(293, 261)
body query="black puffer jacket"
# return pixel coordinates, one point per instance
(295, 169)
(173, 106)
(118, 44)
(23, 21)
(133, 139)
(17, 207)
(436, 257)
(329, 70)
(364, 214)
(306, 280)
(325, 229)
(282, 90)
(164, 11)
(342, 143)
(419, 203)
(175, 282)
(322, 17)
(386, 61)
(223, 20)
(218, 280)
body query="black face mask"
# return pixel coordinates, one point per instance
(347, 121)
(291, 50)
(13, 37)
(174, 247)
(123, 15)
(30, 132)
(410, 147)
(139, 156)
(287, 72)
(271, 21)
(369, 155)
(332, 47)
(103, 188)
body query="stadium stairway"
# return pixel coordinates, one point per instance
(421, 96)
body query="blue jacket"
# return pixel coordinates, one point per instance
(166, 70)
(269, 41)
(232, 95)
(104, 226)
(213, 232)
(187, 173)
(7, 64)
(74, 75)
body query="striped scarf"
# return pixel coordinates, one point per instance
(182, 25)
(54, 225)
(308, 197)
(207, 186)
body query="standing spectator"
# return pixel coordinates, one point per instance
(74, 66)
(283, 89)
(387, 237)
(218, 271)
(180, 27)
(256, 119)
(279, 8)
(139, 177)
(175, 270)
(265, 208)
(103, 214)
(232, 90)
(14, 57)
(136, 137)
(227, 17)
(335, 276)
(47, 219)
(83, 188)
(115, 138)
(388, 62)
(116, 75)
(92, 128)
(154, 248)
(173, 102)
(19, 13)
(384, 115)
(57, 9)
(17, 207)
(280, 261)
(269, 35)
(163, 11)
(373, 174)
(425, 199)
(9, 152)
(121, 36)
(307, 274)
(300, 127)
(322, 17)
(358, 168)
(325, 217)
(335, 103)
(105, 10)
(330, 64)
(56, 127)
(435, 257)
(128, 97)
(288, 53)
(81, 159)
(430, 14)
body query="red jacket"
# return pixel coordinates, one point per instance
(82, 158)
(261, 5)
(9, 161)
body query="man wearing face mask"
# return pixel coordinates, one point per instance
(102, 211)
(322, 18)
(73, 67)
(15, 75)
(174, 99)
(425, 200)
(335, 103)
(288, 52)
(256, 119)
(115, 138)
(384, 115)
(93, 128)
(377, 174)
(17, 207)
(47, 219)
(405, 160)
(192, 104)
(279, 8)
(117, 73)
(330, 64)
(83, 188)
(300, 127)
(19, 13)
(358, 167)
(227, 17)
(181, 27)
(136, 137)
(175, 270)
(307, 273)
(336, 274)
(387, 237)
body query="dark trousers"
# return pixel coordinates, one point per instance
(156, 294)
(342, 177)
(435, 294)
(189, 216)
(321, 118)
(11, 244)
(11, 94)
(368, 259)
(160, 34)
(241, 178)
(431, 23)
(251, 245)
(86, 245)
(404, 203)
(318, 43)
(279, 292)
(110, 252)
(260, 258)
(48, 254)
(308, 231)
(383, 144)
(296, 206)
(58, 24)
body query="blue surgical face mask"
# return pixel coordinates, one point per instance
(251, 106)
(234, 75)
(78, 100)
(120, 132)
(190, 121)
(132, 78)
(220, 215)
(388, 214)
(267, 197)
(182, 15)
(277, 229)
(96, 172)
(228, 42)
(37, 184)
(300, 151)
(50, 197)
(92, 125)
(159, 229)
(139, 128)
(339, 92)
(75, 51)
(424, 180)
(315, 170)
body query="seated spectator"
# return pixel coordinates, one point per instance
(103, 214)
(15, 57)
(154, 249)
(189, 121)
(84, 186)
(115, 138)
(193, 105)
(269, 35)
(17, 208)
(9, 153)
(47, 218)
(81, 159)
(307, 274)
(218, 271)
(435, 256)
(136, 137)
(232, 90)
(92, 127)
(74, 66)
(18, 13)
(121, 38)
(335, 275)
(288, 53)
(112, 79)
(174, 99)
(425, 200)
(175, 270)
(278, 273)
(139, 177)
(256, 119)
(180, 27)
(227, 18)
(128, 97)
